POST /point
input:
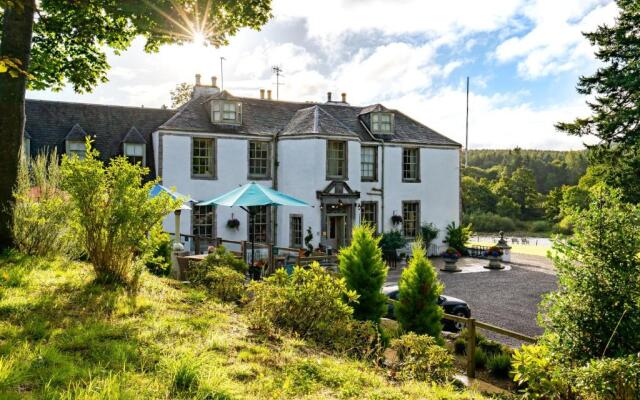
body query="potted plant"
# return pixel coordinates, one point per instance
(396, 220)
(233, 223)
(450, 257)
(494, 254)
(307, 241)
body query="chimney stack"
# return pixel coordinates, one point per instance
(328, 97)
(214, 81)
(344, 97)
(261, 94)
(198, 79)
(269, 94)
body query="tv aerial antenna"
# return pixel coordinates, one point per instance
(278, 71)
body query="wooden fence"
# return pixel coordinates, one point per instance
(472, 325)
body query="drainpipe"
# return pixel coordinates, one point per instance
(381, 141)
(274, 169)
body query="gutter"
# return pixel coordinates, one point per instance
(381, 141)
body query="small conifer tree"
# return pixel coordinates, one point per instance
(365, 272)
(417, 309)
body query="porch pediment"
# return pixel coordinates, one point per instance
(338, 190)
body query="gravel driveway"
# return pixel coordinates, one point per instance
(507, 298)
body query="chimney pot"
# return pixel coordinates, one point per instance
(344, 97)
(269, 94)
(328, 97)
(261, 94)
(198, 79)
(214, 81)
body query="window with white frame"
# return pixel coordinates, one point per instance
(259, 162)
(336, 160)
(295, 230)
(203, 220)
(26, 146)
(135, 153)
(259, 227)
(226, 112)
(410, 164)
(410, 218)
(203, 158)
(76, 148)
(382, 123)
(369, 163)
(369, 214)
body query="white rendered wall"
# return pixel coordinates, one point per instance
(232, 169)
(302, 172)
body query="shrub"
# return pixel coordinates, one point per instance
(419, 357)
(225, 283)
(360, 339)
(392, 241)
(458, 236)
(537, 375)
(460, 345)
(594, 312)
(114, 213)
(310, 303)
(499, 365)
(365, 272)
(428, 232)
(490, 347)
(609, 378)
(480, 358)
(41, 217)
(540, 226)
(220, 257)
(490, 222)
(158, 253)
(417, 308)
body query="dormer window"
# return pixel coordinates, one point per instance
(226, 112)
(134, 153)
(382, 123)
(76, 148)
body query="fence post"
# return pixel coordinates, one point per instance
(471, 348)
(243, 249)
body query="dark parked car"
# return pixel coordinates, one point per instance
(450, 304)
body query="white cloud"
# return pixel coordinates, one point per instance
(555, 43)
(498, 121)
(331, 18)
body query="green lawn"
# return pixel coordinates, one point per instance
(527, 249)
(64, 337)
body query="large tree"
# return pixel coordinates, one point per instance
(59, 42)
(615, 105)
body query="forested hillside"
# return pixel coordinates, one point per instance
(520, 190)
(550, 168)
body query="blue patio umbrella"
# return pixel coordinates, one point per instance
(251, 195)
(158, 189)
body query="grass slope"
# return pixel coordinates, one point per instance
(63, 337)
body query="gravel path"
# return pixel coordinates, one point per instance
(508, 298)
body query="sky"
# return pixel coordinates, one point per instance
(523, 58)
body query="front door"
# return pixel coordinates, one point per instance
(336, 227)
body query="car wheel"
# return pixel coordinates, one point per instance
(457, 325)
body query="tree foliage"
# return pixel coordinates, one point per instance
(181, 94)
(614, 91)
(595, 311)
(67, 45)
(113, 213)
(365, 272)
(417, 309)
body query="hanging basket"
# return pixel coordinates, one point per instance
(233, 223)
(396, 220)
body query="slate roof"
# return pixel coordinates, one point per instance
(269, 117)
(134, 136)
(76, 133)
(50, 122)
(315, 120)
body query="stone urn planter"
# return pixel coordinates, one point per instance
(450, 257)
(494, 254)
(494, 262)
